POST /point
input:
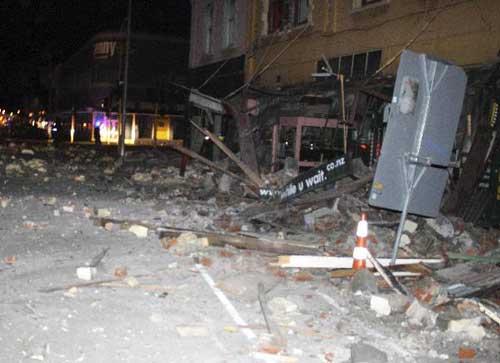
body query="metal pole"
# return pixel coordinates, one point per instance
(402, 220)
(342, 105)
(121, 143)
(411, 182)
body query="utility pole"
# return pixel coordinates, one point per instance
(121, 141)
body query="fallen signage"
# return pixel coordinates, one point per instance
(322, 175)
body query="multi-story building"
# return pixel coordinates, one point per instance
(282, 43)
(87, 88)
(218, 42)
(217, 60)
(289, 41)
(359, 36)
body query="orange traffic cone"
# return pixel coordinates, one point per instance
(360, 252)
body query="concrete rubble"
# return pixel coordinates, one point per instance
(189, 296)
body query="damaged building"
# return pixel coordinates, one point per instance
(337, 202)
(319, 75)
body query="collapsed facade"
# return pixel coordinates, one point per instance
(319, 75)
(197, 266)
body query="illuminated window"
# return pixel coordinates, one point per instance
(287, 13)
(104, 50)
(229, 22)
(208, 19)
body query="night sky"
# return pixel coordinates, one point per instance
(35, 35)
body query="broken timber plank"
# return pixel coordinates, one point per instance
(245, 132)
(248, 172)
(342, 273)
(207, 162)
(468, 279)
(222, 239)
(264, 245)
(343, 262)
(252, 243)
(387, 275)
(478, 259)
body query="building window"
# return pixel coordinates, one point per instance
(277, 15)
(360, 4)
(357, 66)
(346, 65)
(287, 13)
(229, 22)
(104, 50)
(373, 62)
(301, 11)
(208, 22)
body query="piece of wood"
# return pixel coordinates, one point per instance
(97, 282)
(387, 275)
(343, 273)
(245, 134)
(78, 285)
(221, 239)
(207, 162)
(493, 315)
(478, 259)
(342, 104)
(469, 279)
(342, 262)
(248, 172)
(473, 167)
(259, 244)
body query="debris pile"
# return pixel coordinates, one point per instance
(276, 275)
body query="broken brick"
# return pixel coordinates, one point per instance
(270, 349)
(207, 262)
(303, 276)
(120, 272)
(10, 260)
(224, 253)
(466, 353)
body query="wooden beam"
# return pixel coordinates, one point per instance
(344, 273)
(248, 172)
(343, 262)
(245, 133)
(207, 162)
(259, 244)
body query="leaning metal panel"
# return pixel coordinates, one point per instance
(423, 119)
